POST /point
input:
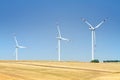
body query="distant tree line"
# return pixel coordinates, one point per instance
(94, 61)
(107, 61)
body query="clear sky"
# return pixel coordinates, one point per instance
(34, 22)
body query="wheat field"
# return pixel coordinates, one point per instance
(53, 70)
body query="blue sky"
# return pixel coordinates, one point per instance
(34, 22)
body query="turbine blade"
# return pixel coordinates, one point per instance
(100, 23)
(84, 20)
(65, 39)
(21, 47)
(16, 41)
(59, 34)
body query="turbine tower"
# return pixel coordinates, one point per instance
(92, 29)
(17, 47)
(59, 42)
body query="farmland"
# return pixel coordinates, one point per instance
(53, 70)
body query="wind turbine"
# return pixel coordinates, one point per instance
(17, 47)
(59, 42)
(93, 33)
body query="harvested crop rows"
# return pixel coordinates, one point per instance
(51, 70)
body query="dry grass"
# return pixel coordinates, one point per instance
(51, 70)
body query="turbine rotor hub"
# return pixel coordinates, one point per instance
(92, 29)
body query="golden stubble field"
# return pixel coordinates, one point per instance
(51, 70)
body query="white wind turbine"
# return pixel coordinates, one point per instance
(93, 33)
(59, 42)
(17, 47)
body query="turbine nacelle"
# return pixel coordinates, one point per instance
(91, 28)
(20, 47)
(60, 38)
(16, 47)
